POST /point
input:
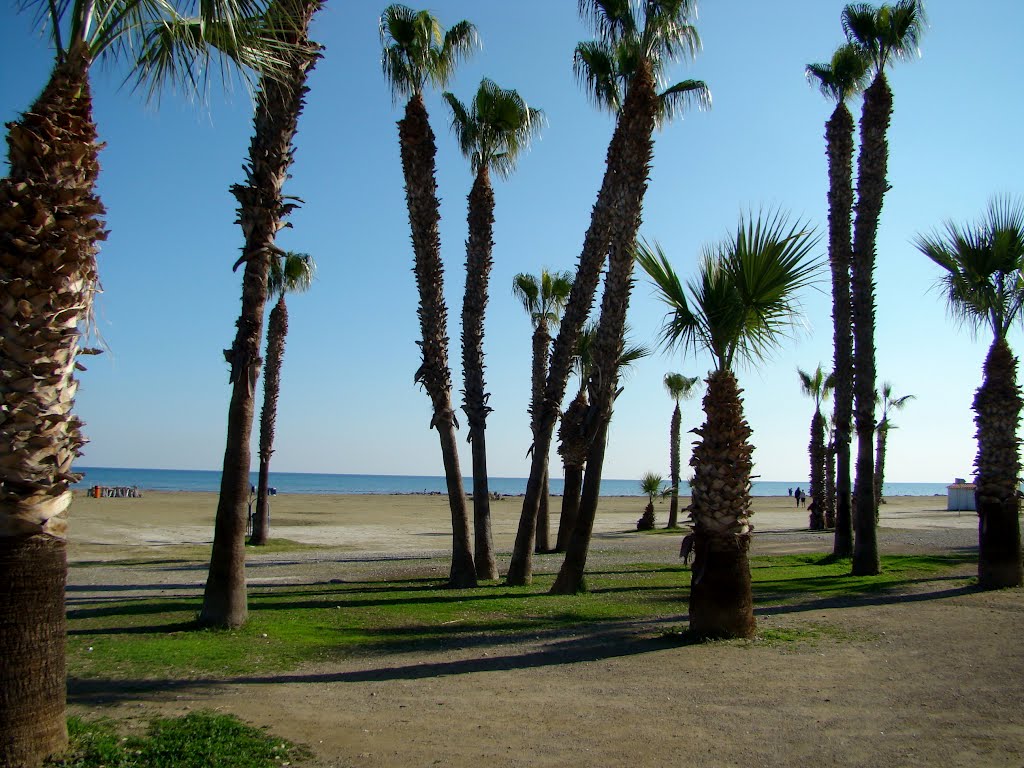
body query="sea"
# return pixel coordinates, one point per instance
(306, 482)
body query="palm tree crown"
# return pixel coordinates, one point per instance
(843, 77)
(418, 50)
(680, 387)
(816, 385)
(495, 128)
(630, 32)
(742, 301)
(885, 33)
(984, 267)
(292, 273)
(543, 299)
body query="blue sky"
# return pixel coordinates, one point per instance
(158, 398)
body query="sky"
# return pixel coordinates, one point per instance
(158, 397)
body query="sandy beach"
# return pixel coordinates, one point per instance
(930, 676)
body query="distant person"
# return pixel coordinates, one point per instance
(798, 494)
(790, 492)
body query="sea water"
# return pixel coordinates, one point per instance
(304, 482)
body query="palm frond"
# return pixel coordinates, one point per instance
(681, 387)
(595, 68)
(416, 49)
(682, 96)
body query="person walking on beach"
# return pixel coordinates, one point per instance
(798, 495)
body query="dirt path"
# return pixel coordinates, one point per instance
(924, 679)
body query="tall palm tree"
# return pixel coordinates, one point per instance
(574, 431)
(817, 386)
(544, 301)
(50, 230)
(738, 308)
(492, 132)
(622, 72)
(679, 387)
(292, 273)
(983, 282)
(262, 208)
(884, 34)
(889, 405)
(839, 80)
(418, 52)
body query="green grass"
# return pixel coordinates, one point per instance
(198, 740)
(289, 625)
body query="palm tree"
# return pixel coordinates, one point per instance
(830, 475)
(292, 273)
(496, 127)
(650, 483)
(889, 404)
(738, 309)
(679, 387)
(884, 34)
(544, 301)
(621, 71)
(418, 51)
(262, 208)
(574, 431)
(983, 283)
(839, 80)
(817, 386)
(50, 228)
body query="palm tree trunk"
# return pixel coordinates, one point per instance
(880, 435)
(262, 208)
(543, 539)
(721, 601)
(629, 155)
(418, 150)
(478, 270)
(277, 331)
(830, 485)
(997, 406)
(570, 579)
(49, 235)
(673, 510)
(816, 486)
(871, 186)
(839, 141)
(572, 447)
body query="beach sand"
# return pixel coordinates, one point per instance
(930, 676)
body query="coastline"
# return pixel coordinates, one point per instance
(108, 528)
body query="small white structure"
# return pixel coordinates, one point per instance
(960, 496)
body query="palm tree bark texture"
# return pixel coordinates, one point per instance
(839, 142)
(277, 332)
(720, 594)
(871, 186)
(608, 342)
(816, 486)
(50, 228)
(541, 351)
(478, 270)
(674, 428)
(261, 210)
(997, 406)
(628, 149)
(418, 149)
(572, 447)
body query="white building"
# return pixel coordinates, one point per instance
(960, 496)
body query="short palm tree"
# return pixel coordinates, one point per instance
(492, 132)
(262, 208)
(983, 282)
(738, 308)
(650, 484)
(830, 475)
(543, 300)
(50, 231)
(622, 72)
(884, 34)
(839, 80)
(890, 404)
(679, 387)
(419, 52)
(292, 273)
(817, 386)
